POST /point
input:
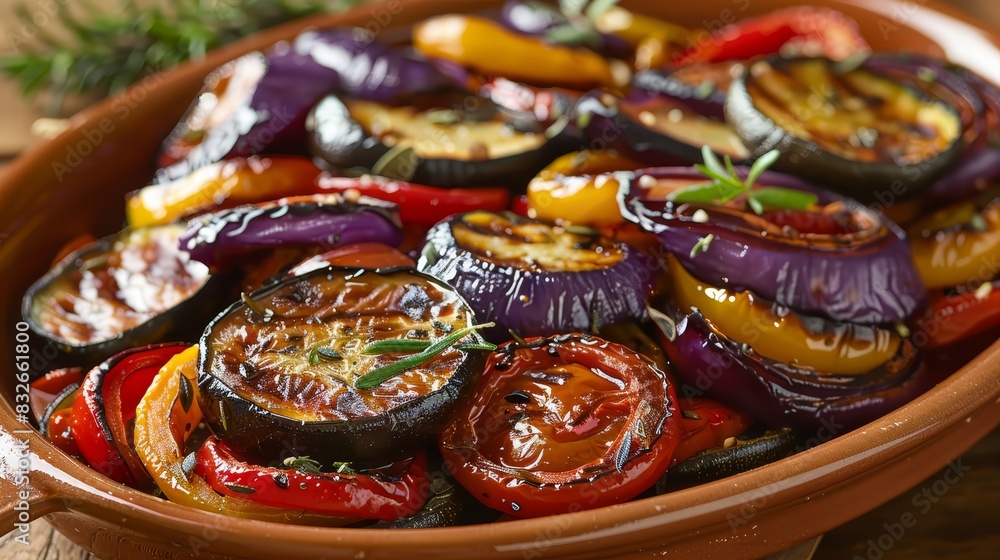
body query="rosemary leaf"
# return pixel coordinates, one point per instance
(388, 345)
(785, 199)
(760, 166)
(377, 376)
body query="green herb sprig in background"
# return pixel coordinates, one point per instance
(108, 50)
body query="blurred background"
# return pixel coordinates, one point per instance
(30, 24)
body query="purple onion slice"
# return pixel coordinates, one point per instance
(327, 221)
(858, 269)
(258, 103)
(539, 19)
(783, 395)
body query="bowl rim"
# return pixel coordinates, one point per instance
(955, 399)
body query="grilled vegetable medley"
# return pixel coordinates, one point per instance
(525, 262)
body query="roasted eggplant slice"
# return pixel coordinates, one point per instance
(441, 140)
(655, 129)
(448, 505)
(856, 131)
(280, 373)
(748, 451)
(323, 220)
(125, 290)
(700, 87)
(536, 278)
(248, 107)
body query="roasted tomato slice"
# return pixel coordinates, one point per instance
(536, 278)
(339, 492)
(122, 291)
(283, 370)
(561, 424)
(853, 129)
(370, 256)
(104, 411)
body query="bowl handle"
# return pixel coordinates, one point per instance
(26, 482)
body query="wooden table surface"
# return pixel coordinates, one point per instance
(961, 525)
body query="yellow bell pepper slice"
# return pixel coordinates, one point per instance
(782, 337)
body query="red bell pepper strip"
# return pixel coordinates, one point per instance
(59, 431)
(954, 318)
(344, 494)
(45, 388)
(104, 411)
(706, 424)
(420, 204)
(809, 31)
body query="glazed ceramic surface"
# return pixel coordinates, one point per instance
(75, 183)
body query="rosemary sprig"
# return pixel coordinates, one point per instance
(388, 345)
(377, 376)
(726, 185)
(110, 50)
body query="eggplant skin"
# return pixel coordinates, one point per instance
(375, 440)
(340, 141)
(607, 127)
(617, 123)
(173, 323)
(713, 464)
(866, 182)
(270, 116)
(319, 220)
(449, 505)
(539, 303)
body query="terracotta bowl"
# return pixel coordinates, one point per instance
(74, 184)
